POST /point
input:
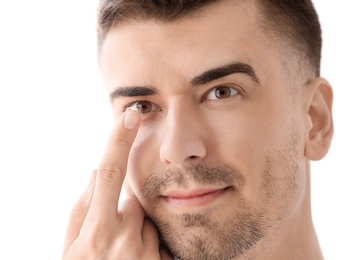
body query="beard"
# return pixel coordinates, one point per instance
(201, 235)
(235, 229)
(198, 236)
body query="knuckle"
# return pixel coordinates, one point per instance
(97, 241)
(124, 141)
(125, 244)
(80, 206)
(130, 250)
(111, 172)
(132, 204)
(83, 202)
(80, 209)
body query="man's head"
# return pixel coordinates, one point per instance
(233, 111)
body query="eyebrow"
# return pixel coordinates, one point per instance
(132, 91)
(220, 72)
(205, 77)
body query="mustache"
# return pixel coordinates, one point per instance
(204, 174)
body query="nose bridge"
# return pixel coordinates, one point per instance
(182, 141)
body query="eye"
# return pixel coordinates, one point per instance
(144, 106)
(221, 92)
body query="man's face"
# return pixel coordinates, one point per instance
(218, 163)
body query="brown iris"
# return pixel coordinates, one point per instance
(222, 92)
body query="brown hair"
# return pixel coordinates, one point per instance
(294, 22)
(112, 12)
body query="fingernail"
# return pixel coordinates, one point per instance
(132, 118)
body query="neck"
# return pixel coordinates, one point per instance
(298, 239)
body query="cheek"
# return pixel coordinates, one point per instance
(244, 147)
(239, 137)
(244, 139)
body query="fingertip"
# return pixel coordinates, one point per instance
(132, 118)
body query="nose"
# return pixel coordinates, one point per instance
(183, 139)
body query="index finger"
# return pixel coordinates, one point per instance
(112, 169)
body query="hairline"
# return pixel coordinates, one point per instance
(297, 69)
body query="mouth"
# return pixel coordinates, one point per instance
(192, 199)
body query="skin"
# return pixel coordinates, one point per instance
(208, 170)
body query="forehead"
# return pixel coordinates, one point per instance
(217, 34)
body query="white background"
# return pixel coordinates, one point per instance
(55, 120)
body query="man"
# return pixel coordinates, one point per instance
(226, 109)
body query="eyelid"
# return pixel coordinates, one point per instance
(231, 85)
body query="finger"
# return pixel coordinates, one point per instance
(78, 213)
(112, 170)
(150, 235)
(131, 215)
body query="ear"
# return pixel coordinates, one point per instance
(319, 95)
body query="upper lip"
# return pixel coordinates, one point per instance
(183, 194)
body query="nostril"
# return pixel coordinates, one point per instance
(179, 149)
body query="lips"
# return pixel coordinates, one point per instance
(195, 198)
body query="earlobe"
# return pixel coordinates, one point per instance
(319, 110)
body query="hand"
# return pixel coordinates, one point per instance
(98, 229)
